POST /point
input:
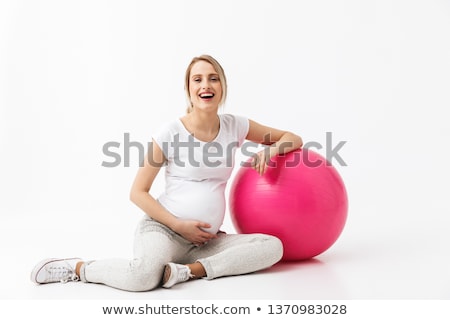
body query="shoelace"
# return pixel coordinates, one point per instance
(63, 274)
(73, 277)
(183, 274)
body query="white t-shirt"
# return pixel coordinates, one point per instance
(196, 172)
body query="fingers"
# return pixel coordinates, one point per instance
(202, 237)
(203, 225)
(202, 241)
(259, 162)
(206, 236)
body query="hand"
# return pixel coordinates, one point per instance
(192, 231)
(261, 160)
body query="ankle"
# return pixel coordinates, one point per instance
(78, 267)
(197, 270)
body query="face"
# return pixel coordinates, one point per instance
(205, 89)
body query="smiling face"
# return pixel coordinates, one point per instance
(205, 89)
(205, 83)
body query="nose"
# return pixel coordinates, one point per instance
(205, 84)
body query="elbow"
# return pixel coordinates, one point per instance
(137, 195)
(133, 195)
(290, 142)
(296, 141)
(299, 141)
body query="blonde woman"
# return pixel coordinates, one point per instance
(179, 237)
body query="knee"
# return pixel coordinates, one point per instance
(140, 282)
(275, 247)
(143, 278)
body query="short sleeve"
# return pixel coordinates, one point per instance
(163, 137)
(237, 127)
(242, 124)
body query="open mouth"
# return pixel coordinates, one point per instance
(206, 95)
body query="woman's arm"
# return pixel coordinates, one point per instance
(139, 195)
(143, 181)
(277, 141)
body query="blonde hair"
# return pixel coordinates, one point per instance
(217, 67)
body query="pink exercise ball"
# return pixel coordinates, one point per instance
(301, 199)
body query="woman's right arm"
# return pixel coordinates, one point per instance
(143, 181)
(140, 196)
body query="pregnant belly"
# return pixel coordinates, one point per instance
(203, 204)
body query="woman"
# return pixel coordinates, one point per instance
(179, 238)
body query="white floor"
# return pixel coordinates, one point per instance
(371, 260)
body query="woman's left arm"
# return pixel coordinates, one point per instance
(277, 142)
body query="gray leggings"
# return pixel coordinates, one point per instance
(155, 245)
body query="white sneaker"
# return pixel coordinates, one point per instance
(175, 273)
(55, 270)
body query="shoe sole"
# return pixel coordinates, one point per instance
(41, 265)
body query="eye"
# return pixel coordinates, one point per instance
(214, 79)
(197, 80)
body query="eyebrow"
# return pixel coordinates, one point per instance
(200, 75)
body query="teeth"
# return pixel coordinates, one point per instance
(206, 95)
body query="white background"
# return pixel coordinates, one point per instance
(75, 75)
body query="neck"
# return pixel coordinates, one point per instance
(203, 121)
